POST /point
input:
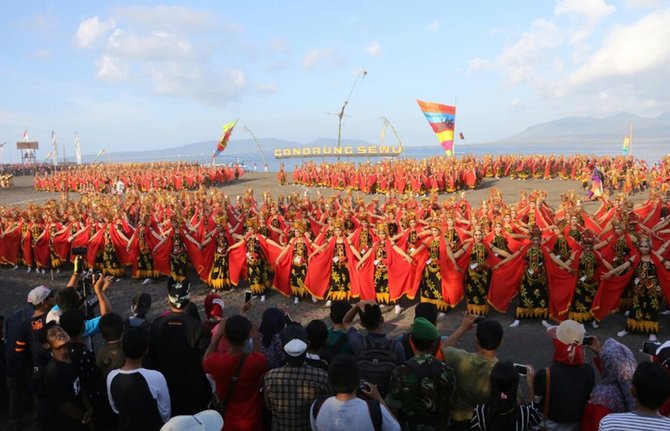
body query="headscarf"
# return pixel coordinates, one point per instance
(271, 324)
(614, 389)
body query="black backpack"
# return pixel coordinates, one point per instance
(376, 362)
(374, 408)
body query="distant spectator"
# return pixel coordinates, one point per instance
(571, 380)
(139, 396)
(240, 398)
(290, 389)
(651, 386)
(345, 410)
(421, 390)
(473, 370)
(176, 350)
(110, 356)
(317, 335)
(337, 335)
(501, 411)
(613, 394)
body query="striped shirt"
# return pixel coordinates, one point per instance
(527, 417)
(633, 422)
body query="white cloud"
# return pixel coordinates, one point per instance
(519, 59)
(168, 49)
(516, 105)
(92, 29)
(434, 26)
(626, 51)
(374, 48)
(279, 45)
(592, 10)
(171, 18)
(643, 4)
(110, 69)
(158, 45)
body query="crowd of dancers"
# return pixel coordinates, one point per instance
(144, 177)
(560, 262)
(440, 174)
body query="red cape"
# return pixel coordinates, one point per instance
(317, 280)
(399, 273)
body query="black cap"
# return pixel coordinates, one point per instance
(178, 292)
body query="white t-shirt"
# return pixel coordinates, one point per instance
(120, 187)
(633, 422)
(352, 415)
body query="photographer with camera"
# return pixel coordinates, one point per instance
(346, 410)
(77, 294)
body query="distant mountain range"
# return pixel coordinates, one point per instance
(568, 131)
(594, 131)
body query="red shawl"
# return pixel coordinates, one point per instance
(317, 280)
(609, 292)
(399, 273)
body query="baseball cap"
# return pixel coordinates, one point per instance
(178, 292)
(208, 420)
(294, 340)
(38, 295)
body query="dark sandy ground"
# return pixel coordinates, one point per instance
(527, 343)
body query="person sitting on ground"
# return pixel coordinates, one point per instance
(501, 411)
(570, 379)
(337, 335)
(317, 335)
(473, 370)
(139, 396)
(421, 390)
(290, 389)
(347, 411)
(376, 353)
(110, 356)
(651, 387)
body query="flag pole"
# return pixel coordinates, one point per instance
(455, 109)
(260, 150)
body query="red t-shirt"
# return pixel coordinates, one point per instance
(244, 408)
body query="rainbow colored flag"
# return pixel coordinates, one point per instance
(100, 153)
(626, 145)
(223, 143)
(442, 119)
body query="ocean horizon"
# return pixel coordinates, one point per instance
(650, 152)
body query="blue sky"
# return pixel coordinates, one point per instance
(131, 75)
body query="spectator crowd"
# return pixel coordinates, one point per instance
(79, 364)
